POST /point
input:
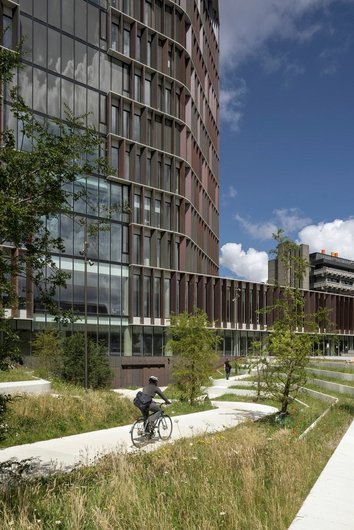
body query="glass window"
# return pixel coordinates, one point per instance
(39, 44)
(117, 76)
(54, 96)
(136, 248)
(126, 41)
(167, 176)
(137, 87)
(148, 13)
(168, 215)
(114, 157)
(126, 79)
(147, 251)
(157, 213)
(168, 136)
(54, 56)
(116, 242)
(40, 9)
(166, 294)
(103, 108)
(136, 127)
(67, 96)
(137, 167)
(168, 100)
(138, 47)
(93, 24)
(80, 62)
(115, 111)
(7, 32)
(114, 36)
(158, 252)
(67, 13)
(147, 296)
(157, 297)
(67, 56)
(148, 171)
(137, 214)
(126, 120)
(147, 91)
(136, 297)
(80, 18)
(80, 100)
(92, 67)
(148, 52)
(39, 90)
(147, 210)
(127, 163)
(176, 256)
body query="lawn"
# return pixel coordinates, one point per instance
(72, 410)
(251, 477)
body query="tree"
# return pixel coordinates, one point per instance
(35, 175)
(294, 331)
(193, 343)
(47, 347)
(72, 362)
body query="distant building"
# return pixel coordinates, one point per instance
(331, 273)
(279, 275)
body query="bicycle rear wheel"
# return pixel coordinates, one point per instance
(137, 433)
(165, 427)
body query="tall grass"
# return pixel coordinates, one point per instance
(254, 477)
(16, 374)
(71, 411)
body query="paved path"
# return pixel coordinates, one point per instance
(82, 449)
(330, 503)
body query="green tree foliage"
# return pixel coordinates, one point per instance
(294, 331)
(193, 343)
(48, 348)
(72, 367)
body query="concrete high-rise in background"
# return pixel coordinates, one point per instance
(146, 72)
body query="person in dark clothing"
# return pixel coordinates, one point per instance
(227, 367)
(151, 389)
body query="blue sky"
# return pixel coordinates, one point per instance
(287, 129)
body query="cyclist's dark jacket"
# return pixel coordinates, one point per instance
(151, 390)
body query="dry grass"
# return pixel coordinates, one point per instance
(254, 477)
(42, 417)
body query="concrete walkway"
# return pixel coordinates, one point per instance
(83, 449)
(330, 503)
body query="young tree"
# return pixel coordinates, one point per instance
(193, 343)
(72, 362)
(294, 331)
(35, 176)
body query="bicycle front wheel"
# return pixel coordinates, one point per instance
(137, 433)
(165, 427)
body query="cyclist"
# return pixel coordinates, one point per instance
(151, 389)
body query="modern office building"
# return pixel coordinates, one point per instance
(331, 273)
(146, 73)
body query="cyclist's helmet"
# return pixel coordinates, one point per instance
(153, 379)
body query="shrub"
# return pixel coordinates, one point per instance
(73, 362)
(47, 347)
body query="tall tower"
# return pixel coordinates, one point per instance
(146, 73)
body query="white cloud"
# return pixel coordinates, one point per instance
(257, 230)
(335, 236)
(247, 25)
(230, 193)
(251, 265)
(289, 219)
(232, 99)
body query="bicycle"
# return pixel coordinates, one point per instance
(162, 426)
